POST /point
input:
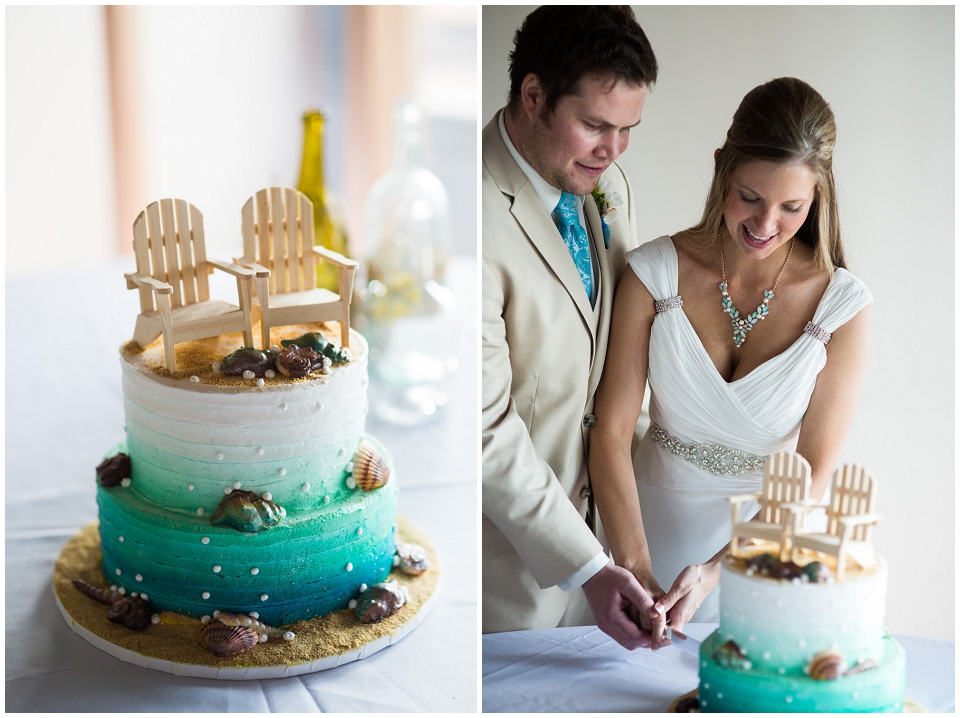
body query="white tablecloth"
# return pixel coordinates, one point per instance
(580, 669)
(64, 411)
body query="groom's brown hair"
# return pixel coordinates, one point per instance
(561, 44)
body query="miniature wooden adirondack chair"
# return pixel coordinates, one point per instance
(172, 269)
(278, 239)
(850, 520)
(786, 480)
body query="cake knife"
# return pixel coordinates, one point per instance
(685, 644)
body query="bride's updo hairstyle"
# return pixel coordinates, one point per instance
(784, 120)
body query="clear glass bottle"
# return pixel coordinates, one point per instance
(328, 226)
(409, 314)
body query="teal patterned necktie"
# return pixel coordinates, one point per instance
(574, 236)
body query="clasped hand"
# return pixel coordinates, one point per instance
(623, 609)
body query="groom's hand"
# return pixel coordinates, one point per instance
(611, 593)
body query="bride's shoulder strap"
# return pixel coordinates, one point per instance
(655, 264)
(845, 296)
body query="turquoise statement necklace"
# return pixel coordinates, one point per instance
(742, 325)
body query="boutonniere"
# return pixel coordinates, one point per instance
(607, 202)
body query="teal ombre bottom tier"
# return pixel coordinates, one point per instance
(729, 690)
(312, 563)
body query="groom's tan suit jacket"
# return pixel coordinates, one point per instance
(543, 353)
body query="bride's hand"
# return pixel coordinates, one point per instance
(656, 627)
(687, 593)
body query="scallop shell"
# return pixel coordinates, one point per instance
(114, 469)
(730, 655)
(223, 640)
(245, 511)
(413, 558)
(379, 602)
(370, 469)
(826, 666)
(320, 344)
(238, 619)
(133, 612)
(246, 359)
(296, 361)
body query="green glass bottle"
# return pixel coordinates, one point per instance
(328, 226)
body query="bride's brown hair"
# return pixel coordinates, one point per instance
(784, 120)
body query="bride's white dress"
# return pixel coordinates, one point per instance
(686, 516)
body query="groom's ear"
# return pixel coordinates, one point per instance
(532, 96)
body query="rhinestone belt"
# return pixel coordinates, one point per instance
(710, 457)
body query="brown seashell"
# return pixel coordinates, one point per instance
(690, 704)
(114, 469)
(245, 511)
(132, 611)
(370, 469)
(826, 666)
(413, 558)
(730, 655)
(246, 359)
(223, 640)
(97, 594)
(785, 569)
(379, 602)
(296, 362)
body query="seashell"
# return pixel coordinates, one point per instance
(762, 562)
(246, 359)
(785, 569)
(296, 361)
(861, 667)
(134, 612)
(826, 666)
(320, 344)
(239, 619)
(730, 655)
(223, 640)
(379, 602)
(370, 469)
(817, 572)
(245, 511)
(97, 594)
(689, 704)
(114, 470)
(413, 558)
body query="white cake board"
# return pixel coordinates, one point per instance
(247, 674)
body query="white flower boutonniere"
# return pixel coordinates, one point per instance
(607, 202)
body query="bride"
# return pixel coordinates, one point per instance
(752, 336)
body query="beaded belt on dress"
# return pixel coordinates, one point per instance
(714, 458)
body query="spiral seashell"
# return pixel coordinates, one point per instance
(238, 619)
(817, 572)
(370, 469)
(379, 602)
(861, 667)
(826, 666)
(730, 655)
(133, 612)
(246, 359)
(245, 511)
(97, 594)
(320, 344)
(413, 558)
(222, 640)
(114, 469)
(296, 361)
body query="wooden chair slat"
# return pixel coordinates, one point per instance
(202, 270)
(187, 261)
(281, 238)
(141, 250)
(292, 229)
(171, 238)
(305, 217)
(249, 231)
(267, 245)
(158, 268)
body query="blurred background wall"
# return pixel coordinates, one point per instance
(888, 73)
(111, 108)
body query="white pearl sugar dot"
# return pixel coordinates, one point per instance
(219, 456)
(305, 488)
(789, 699)
(155, 618)
(282, 407)
(351, 484)
(269, 373)
(228, 490)
(264, 597)
(190, 487)
(259, 382)
(236, 484)
(267, 496)
(360, 531)
(259, 451)
(122, 591)
(263, 637)
(143, 596)
(719, 695)
(205, 594)
(205, 540)
(216, 569)
(216, 614)
(139, 577)
(205, 620)
(396, 561)
(200, 511)
(119, 572)
(121, 539)
(349, 567)
(289, 635)
(248, 374)
(195, 379)
(342, 452)
(124, 482)
(363, 587)
(254, 571)
(349, 467)
(216, 367)
(353, 603)
(281, 472)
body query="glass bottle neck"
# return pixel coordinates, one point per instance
(311, 168)
(407, 145)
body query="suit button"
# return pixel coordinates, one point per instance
(589, 421)
(585, 492)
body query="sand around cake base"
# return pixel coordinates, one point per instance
(171, 646)
(689, 703)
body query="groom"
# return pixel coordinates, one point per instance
(551, 262)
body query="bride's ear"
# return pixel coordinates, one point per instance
(716, 154)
